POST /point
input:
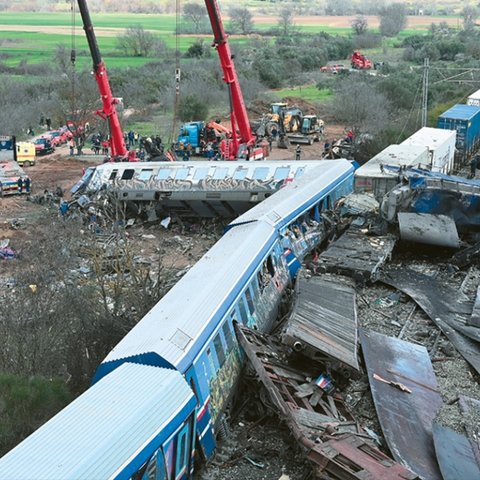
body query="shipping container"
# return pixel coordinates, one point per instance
(465, 119)
(440, 144)
(474, 99)
(372, 177)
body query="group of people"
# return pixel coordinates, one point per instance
(23, 184)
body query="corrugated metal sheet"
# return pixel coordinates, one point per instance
(114, 427)
(287, 203)
(461, 112)
(193, 307)
(324, 319)
(406, 417)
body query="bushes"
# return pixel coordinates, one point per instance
(25, 404)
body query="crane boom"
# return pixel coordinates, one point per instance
(109, 111)
(238, 111)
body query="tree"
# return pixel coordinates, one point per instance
(469, 15)
(196, 14)
(393, 19)
(360, 106)
(360, 24)
(192, 108)
(136, 42)
(241, 19)
(285, 20)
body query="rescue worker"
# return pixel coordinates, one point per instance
(20, 184)
(27, 185)
(72, 146)
(298, 152)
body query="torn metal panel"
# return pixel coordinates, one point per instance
(454, 454)
(323, 323)
(466, 256)
(406, 418)
(326, 431)
(446, 307)
(427, 228)
(357, 254)
(470, 407)
(474, 320)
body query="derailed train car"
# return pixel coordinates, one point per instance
(186, 343)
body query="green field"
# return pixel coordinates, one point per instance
(40, 47)
(309, 93)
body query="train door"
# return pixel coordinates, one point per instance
(183, 449)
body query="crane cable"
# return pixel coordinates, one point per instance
(73, 57)
(177, 72)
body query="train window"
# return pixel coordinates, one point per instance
(181, 457)
(182, 174)
(281, 173)
(255, 288)
(128, 174)
(152, 468)
(328, 202)
(240, 173)
(163, 173)
(201, 173)
(211, 362)
(227, 333)
(220, 173)
(260, 173)
(299, 172)
(217, 343)
(248, 296)
(243, 311)
(113, 175)
(270, 266)
(145, 175)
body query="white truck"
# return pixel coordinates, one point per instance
(474, 99)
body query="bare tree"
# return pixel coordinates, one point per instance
(241, 19)
(360, 25)
(285, 20)
(196, 14)
(361, 107)
(136, 42)
(469, 14)
(393, 19)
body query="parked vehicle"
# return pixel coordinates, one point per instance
(360, 61)
(333, 68)
(43, 146)
(26, 154)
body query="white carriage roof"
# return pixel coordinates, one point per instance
(290, 201)
(109, 431)
(174, 331)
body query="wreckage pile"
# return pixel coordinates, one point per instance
(376, 369)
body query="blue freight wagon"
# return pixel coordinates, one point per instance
(465, 119)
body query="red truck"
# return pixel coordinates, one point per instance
(360, 62)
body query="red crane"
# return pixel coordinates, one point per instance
(241, 145)
(109, 102)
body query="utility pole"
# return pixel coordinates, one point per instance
(425, 92)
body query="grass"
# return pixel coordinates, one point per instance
(309, 93)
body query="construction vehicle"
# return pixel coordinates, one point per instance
(199, 135)
(310, 130)
(291, 116)
(293, 126)
(243, 144)
(108, 112)
(360, 62)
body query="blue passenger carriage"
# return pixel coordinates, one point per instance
(189, 334)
